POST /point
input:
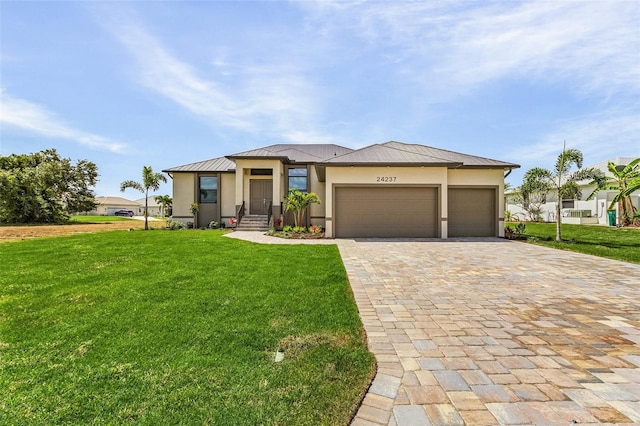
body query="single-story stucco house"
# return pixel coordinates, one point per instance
(155, 209)
(384, 190)
(580, 211)
(107, 206)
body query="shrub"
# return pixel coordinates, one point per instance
(520, 230)
(214, 225)
(315, 229)
(287, 228)
(174, 225)
(299, 229)
(508, 232)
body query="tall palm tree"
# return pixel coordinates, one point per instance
(561, 180)
(150, 180)
(165, 202)
(624, 180)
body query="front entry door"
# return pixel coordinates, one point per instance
(261, 193)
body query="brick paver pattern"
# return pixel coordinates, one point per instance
(484, 332)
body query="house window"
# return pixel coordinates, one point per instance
(208, 189)
(298, 179)
(261, 172)
(568, 204)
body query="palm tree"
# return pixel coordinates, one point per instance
(150, 180)
(624, 180)
(297, 203)
(165, 202)
(559, 180)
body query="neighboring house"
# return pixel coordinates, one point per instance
(107, 206)
(383, 190)
(154, 207)
(580, 211)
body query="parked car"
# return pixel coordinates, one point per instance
(124, 213)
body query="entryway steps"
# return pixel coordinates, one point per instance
(253, 222)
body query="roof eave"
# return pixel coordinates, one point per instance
(450, 165)
(282, 158)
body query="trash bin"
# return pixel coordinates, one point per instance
(612, 217)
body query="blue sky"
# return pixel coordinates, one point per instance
(127, 84)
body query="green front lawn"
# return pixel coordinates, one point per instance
(177, 327)
(97, 219)
(604, 241)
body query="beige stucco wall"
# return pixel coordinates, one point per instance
(227, 196)
(401, 176)
(183, 196)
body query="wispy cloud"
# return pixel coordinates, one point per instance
(275, 99)
(456, 46)
(599, 137)
(37, 119)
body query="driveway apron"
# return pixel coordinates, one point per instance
(491, 331)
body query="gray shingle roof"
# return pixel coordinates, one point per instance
(220, 164)
(300, 153)
(411, 154)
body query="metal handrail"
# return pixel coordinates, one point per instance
(269, 212)
(240, 213)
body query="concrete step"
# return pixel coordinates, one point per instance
(253, 223)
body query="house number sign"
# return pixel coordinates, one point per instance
(385, 179)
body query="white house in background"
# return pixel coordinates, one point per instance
(107, 206)
(581, 211)
(154, 207)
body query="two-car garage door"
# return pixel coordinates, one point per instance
(412, 212)
(386, 212)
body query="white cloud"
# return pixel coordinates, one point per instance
(598, 137)
(37, 119)
(275, 100)
(455, 46)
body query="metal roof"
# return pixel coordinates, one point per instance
(389, 153)
(399, 153)
(220, 164)
(300, 153)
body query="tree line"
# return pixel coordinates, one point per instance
(43, 187)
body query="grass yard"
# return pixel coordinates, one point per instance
(98, 219)
(179, 327)
(604, 241)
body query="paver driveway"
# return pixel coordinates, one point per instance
(496, 332)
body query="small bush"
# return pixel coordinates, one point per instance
(315, 229)
(287, 228)
(174, 225)
(299, 229)
(214, 225)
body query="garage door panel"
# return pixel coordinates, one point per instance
(472, 212)
(386, 212)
